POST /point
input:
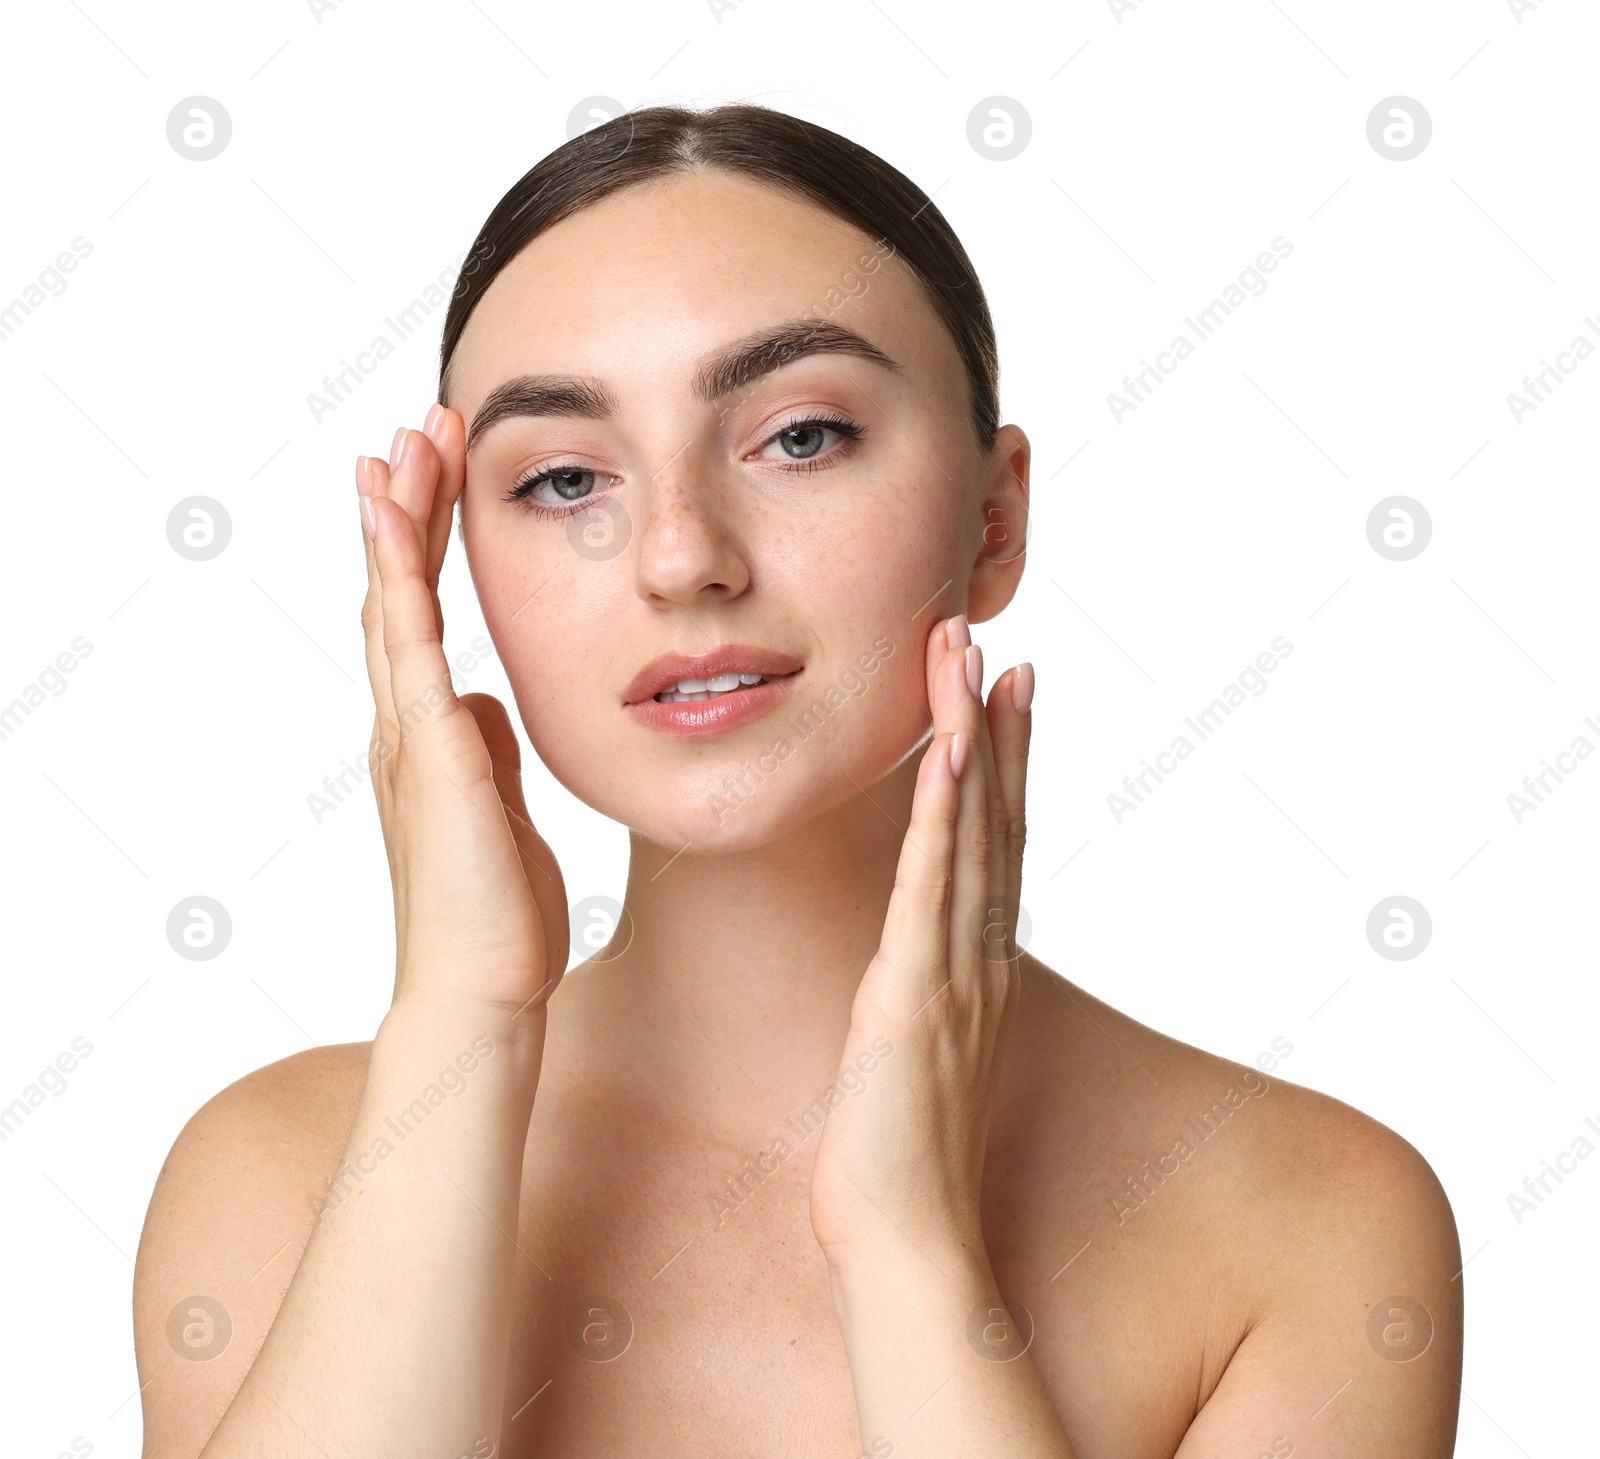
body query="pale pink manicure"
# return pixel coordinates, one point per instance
(958, 754)
(430, 425)
(368, 522)
(955, 632)
(396, 449)
(974, 658)
(1022, 688)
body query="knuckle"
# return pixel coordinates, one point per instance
(942, 1010)
(1016, 836)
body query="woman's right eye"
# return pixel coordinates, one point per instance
(554, 488)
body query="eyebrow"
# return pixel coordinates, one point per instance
(541, 395)
(723, 373)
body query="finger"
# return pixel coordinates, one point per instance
(953, 710)
(369, 483)
(1010, 732)
(989, 933)
(448, 432)
(938, 645)
(911, 969)
(419, 678)
(414, 470)
(505, 753)
(959, 709)
(539, 862)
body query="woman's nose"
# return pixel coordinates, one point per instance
(688, 548)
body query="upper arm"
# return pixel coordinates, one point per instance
(1356, 1350)
(232, 1211)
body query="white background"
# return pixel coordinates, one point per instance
(1170, 145)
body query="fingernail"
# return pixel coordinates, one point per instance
(368, 522)
(958, 754)
(955, 632)
(363, 481)
(430, 425)
(397, 448)
(1022, 688)
(975, 671)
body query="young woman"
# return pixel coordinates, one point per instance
(782, 1171)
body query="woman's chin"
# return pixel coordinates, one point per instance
(721, 825)
(753, 811)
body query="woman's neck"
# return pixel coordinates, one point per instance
(759, 952)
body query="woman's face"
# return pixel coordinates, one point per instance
(654, 500)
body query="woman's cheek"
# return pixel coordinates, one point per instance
(559, 692)
(900, 715)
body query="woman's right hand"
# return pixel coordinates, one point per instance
(480, 906)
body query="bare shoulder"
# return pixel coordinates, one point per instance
(233, 1208)
(1071, 1043)
(1302, 1243)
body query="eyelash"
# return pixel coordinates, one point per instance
(849, 432)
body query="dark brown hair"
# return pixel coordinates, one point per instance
(798, 156)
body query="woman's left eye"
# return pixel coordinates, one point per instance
(805, 441)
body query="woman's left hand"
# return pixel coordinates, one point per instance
(899, 1165)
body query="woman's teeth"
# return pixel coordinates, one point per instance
(687, 691)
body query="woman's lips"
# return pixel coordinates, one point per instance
(719, 715)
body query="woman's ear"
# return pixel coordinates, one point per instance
(1002, 526)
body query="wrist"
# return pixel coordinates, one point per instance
(924, 1299)
(947, 1268)
(869, 1241)
(468, 1032)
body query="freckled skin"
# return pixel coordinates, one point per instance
(818, 564)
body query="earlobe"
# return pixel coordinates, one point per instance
(1004, 527)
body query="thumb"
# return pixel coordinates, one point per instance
(505, 753)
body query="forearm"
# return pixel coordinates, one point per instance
(392, 1337)
(938, 1368)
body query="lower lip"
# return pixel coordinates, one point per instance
(702, 719)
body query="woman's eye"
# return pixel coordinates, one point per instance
(556, 488)
(808, 439)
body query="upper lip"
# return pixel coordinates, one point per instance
(730, 658)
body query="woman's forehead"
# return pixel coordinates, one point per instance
(669, 270)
